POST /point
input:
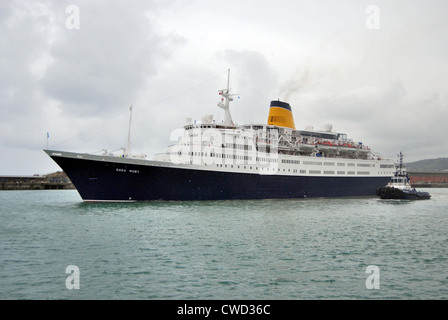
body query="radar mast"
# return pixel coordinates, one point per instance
(225, 101)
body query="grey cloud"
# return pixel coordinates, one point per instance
(50, 75)
(102, 66)
(24, 33)
(320, 57)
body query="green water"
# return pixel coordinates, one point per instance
(268, 249)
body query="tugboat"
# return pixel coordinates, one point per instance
(400, 187)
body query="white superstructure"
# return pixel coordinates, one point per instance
(272, 149)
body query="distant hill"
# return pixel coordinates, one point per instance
(433, 165)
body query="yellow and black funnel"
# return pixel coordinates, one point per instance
(280, 114)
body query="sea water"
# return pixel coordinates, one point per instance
(54, 246)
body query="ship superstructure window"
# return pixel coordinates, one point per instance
(262, 159)
(312, 163)
(365, 165)
(321, 135)
(290, 161)
(238, 146)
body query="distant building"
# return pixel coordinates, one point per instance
(429, 179)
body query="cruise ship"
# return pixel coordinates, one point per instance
(221, 161)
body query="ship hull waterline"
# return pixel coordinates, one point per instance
(112, 179)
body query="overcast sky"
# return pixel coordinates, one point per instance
(376, 70)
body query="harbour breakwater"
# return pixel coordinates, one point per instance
(57, 180)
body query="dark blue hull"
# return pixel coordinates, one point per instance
(112, 181)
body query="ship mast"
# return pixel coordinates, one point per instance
(225, 101)
(400, 164)
(128, 145)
